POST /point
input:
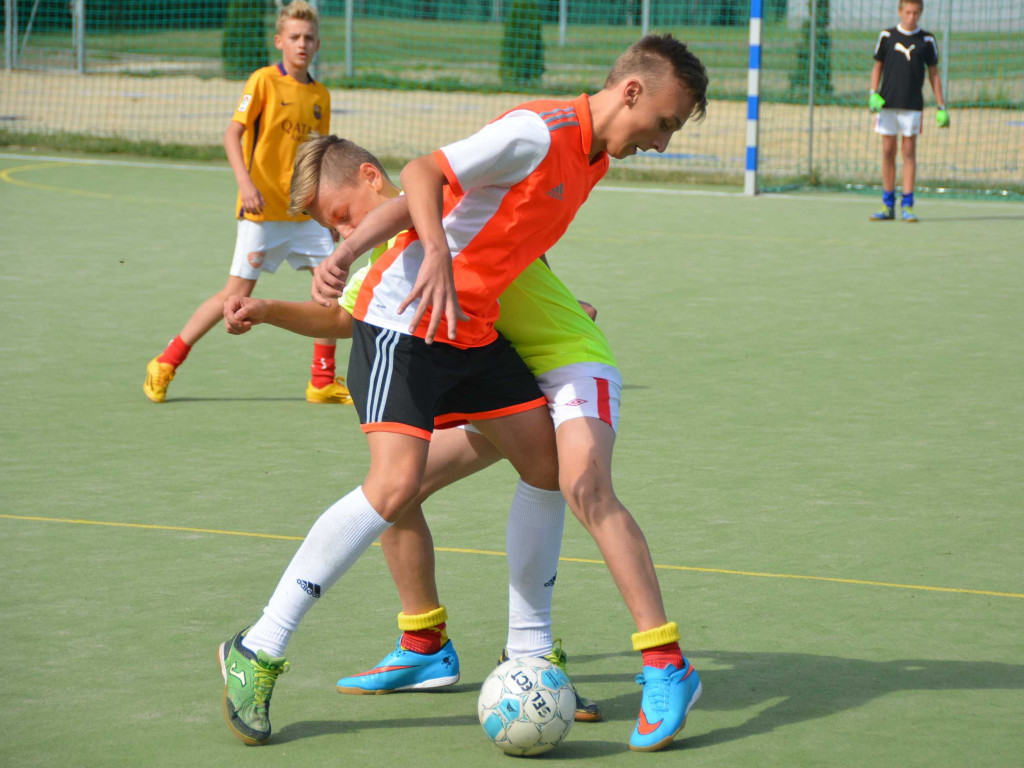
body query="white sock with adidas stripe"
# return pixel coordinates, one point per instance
(336, 540)
(533, 541)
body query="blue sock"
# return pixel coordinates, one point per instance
(889, 199)
(908, 200)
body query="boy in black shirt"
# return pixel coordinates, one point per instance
(901, 55)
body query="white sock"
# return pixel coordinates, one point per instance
(533, 541)
(336, 540)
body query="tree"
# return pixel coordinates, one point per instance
(522, 46)
(244, 44)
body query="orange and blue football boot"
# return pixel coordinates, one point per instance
(404, 670)
(668, 695)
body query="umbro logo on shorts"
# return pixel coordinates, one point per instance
(556, 192)
(577, 401)
(551, 582)
(311, 589)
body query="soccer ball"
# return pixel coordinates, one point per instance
(526, 706)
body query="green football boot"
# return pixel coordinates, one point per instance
(248, 685)
(587, 710)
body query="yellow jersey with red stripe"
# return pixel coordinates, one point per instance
(277, 112)
(513, 189)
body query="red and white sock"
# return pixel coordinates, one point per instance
(175, 353)
(322, 368)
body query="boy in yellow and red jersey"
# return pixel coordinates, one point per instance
(483, 210)
(280, 105)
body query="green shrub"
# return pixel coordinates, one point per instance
(522, 47)
(244, 45)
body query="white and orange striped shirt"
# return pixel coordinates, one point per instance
(513, 189)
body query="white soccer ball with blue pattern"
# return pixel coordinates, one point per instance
(526, 706)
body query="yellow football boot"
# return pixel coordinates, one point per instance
(335, 392)
(158, 376)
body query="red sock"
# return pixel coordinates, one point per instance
(322, 369)
(426, 641)
(662, 655)
(175, 353)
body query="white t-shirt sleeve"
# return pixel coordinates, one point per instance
(501, 153)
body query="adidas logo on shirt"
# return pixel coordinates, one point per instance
(556, 192)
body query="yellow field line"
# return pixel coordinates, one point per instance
(6, 176)
(465, 551)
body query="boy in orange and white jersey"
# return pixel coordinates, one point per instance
(483, 210)
(281, 104)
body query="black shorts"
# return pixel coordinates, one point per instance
(399, 383)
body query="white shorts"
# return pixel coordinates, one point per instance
(893, 122)
(261, 246)
(583, 390)
(580, 390)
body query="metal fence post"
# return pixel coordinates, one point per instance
(11, 34)
(78, 33)
(349, 67)
(812, 63)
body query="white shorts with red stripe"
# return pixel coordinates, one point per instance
(583, 390)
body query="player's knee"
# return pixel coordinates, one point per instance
(543, 475)
(588, 493)
(392, 499)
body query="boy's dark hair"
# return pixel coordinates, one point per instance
(325, 157)
(650, 55)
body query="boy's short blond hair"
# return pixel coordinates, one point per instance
(655, 56)
(918, 3)
(298, 9)
(326, 159)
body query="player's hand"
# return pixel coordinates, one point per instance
(942, 118)
(589, 309)
(241, 313)
(435, 287)
(876, 102)
(330, 276)
(252, 200)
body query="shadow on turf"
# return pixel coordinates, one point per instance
(804, 686)
(944, 219)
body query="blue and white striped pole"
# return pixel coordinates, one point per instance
(753, 97)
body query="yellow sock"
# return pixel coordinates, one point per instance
(652, 638)
(424, 632)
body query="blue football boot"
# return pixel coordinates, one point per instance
(668, 695)
(403, 670)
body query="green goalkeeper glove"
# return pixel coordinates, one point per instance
(876, 102)
(942, 118)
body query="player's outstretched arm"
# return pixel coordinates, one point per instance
(378, 226)
(306, 318)
(424, 182)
